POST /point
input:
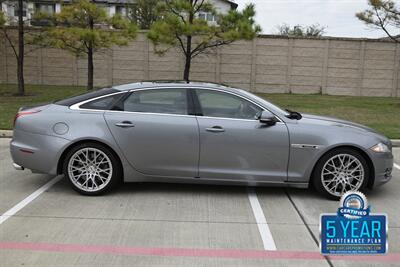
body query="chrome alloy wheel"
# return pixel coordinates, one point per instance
(342, 173)
(90, 169)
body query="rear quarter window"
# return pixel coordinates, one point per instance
(86, 96)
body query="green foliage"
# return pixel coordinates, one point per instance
(383, 14)
(82, 26)
(2, 19)
(143, 13)
(314, 30)
(180, 23)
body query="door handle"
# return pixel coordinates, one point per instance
(124, 124)
(215, 129)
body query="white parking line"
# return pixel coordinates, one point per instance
(28, 199)
(266, 236)
(396, 166)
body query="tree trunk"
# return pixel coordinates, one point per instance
(186, 72)
(90, 68)
(20, 58)
(90, 60)
(188, 54)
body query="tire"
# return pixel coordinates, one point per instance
(96, 175)
(353, 178)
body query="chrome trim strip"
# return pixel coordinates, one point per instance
(310, 146)
(77, 105)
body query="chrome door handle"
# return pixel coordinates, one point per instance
(215, 129)
(124, 124)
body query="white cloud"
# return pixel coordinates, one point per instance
(337, 15)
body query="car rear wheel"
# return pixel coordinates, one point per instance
(92, 169)
(339, 171)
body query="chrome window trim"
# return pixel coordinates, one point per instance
(77, 105)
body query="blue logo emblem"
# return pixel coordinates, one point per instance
(353, 229)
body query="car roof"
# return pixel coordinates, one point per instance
(171, 83)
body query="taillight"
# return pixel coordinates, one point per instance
(23, 113)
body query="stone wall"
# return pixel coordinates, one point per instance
(337, 66)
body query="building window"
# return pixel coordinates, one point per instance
(207, 16)
(45, 8)
(16, 12)
(121, 10)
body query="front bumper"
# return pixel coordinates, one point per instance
(37, 152)
(383, 165)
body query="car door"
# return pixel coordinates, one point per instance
(234, 145)
(157, 136)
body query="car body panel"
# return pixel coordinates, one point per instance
(246, 150)
(158, 144)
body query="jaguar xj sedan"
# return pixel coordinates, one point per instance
(195, 133)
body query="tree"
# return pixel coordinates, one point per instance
(143, 12)
(180, 26)
(84, 28)
(382, 14)
(314, 30)
(20, 47)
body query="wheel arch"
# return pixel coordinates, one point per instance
(371, 167)
(72, 145)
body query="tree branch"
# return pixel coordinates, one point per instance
(382, 25)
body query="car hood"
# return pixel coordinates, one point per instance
(339, 122)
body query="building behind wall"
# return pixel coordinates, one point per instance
(10, 8)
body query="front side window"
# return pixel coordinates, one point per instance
(225, 105)
(168, 101)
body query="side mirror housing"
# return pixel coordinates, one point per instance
(267, 118)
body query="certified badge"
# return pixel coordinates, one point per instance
(353, 229)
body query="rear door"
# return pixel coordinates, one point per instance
(155, 132)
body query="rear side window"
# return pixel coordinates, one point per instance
(86, 96)
(103, 103)
(168, 101)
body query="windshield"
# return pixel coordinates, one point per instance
(265, 102)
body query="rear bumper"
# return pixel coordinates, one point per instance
(37, 152)
(383, 163)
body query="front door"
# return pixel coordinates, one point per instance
(234, 145)
(155, 132)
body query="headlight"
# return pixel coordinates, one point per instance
(380, 148)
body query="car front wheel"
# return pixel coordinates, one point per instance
(339, 171)
(91, 168)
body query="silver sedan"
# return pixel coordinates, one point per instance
(195, 133)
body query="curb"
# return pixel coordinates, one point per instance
(9, 133)
(6, 133)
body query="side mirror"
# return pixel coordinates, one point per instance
(267, 118)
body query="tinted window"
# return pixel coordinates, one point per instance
(86, 96)
(103, 103)
(170, 101)
(219, 104)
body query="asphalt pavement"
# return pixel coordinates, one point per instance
(158, 224)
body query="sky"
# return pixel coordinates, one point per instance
(338, 16)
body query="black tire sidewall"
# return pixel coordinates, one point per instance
(316, 177)
(116, 174)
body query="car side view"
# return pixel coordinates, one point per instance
(195, 133)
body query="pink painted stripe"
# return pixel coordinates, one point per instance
(187, 252)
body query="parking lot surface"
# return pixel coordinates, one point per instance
(151, 224)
